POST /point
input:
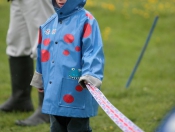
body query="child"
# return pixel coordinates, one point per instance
(70, 53)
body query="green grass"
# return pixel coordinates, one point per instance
(124, 30)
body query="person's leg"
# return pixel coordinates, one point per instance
(21, 67)
(69, 124)
(35, 13)
(58, 123)
(37, 117)
(79, 125)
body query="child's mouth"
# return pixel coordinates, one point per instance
(61, 4)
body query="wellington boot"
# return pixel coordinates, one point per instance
(21, 71)
(37, 117)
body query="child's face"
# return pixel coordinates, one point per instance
(60, 3)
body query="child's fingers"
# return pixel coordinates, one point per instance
(41, 90)
(85, 82)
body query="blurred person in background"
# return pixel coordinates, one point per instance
(25, 18)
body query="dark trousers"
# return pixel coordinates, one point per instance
(69, 124)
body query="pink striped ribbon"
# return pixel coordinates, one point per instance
(119, 119)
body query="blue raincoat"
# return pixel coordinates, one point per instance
(70, 50)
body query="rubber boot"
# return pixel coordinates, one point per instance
(37, 117)
(21, 71)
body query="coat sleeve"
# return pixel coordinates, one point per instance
(37, 77)
(92, 54)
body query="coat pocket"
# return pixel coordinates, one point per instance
(72, 95)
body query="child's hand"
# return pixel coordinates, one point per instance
(41, 90)
(85, 82)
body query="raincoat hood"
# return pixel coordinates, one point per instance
(70, 7)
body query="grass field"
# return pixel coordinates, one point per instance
(124, 26)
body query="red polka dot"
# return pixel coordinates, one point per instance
(68, 98)
(77, 48)
(79, 88)
(39, 37)
(68, 38)
(45, 55)
(87, 30)
(66, 52)
(46, 42)
(89, 15)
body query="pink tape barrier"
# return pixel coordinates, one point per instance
(119, 119)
